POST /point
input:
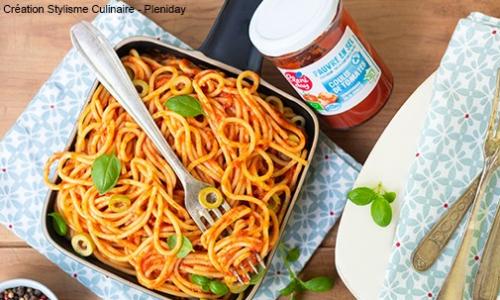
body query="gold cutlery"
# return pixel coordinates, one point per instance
(433, 243)
(453, 287)
(487, 284)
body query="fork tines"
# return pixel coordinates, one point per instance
(252, 266)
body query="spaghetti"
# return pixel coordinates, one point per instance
(249, 146)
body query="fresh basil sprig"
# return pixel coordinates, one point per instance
(60, 226)
(389, 196)
(105, 172)
(296, 285)
(218, 288)
(290, 288)
(185, 105)
(202, 281)
(293, 255)
(186, 246)
(213, 285)
(381, 210)
(318, 284)
(257, 277)
(362, 195)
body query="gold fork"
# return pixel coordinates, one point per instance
(454, 284)
(487, 284)
(105, 63)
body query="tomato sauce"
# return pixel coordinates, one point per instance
(339, 73)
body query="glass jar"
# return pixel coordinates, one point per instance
(321, 52)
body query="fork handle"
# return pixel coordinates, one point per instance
(433, 243)
(454, 284)
(487, 282)
(109, 70)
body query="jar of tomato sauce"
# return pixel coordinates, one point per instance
(320, 50)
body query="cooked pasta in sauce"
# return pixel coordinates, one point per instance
(249, 146)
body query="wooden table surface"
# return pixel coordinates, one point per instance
(411, 37)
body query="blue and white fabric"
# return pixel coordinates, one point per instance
(449, 157)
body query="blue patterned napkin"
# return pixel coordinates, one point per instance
(45, 127)
(449, 157)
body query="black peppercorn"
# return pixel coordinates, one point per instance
(22, 293)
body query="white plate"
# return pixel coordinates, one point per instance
(363, 248)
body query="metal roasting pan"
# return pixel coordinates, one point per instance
(153, 46)
(249, 60)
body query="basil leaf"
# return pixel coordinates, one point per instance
(202, 281)
(186, 246)
(185, 105)
(290, 288)
(199, 279)
(218, 288)
(390, 196)
(206, 287)
(381, 212)
(293, 255)
(362, 195)
(257, 277)
(105, 172)
(58, 223)
(300, 286)
(318, 284)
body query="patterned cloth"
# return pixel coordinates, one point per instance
(449, 157)
(45, 127)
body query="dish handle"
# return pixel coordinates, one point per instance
(228, 40)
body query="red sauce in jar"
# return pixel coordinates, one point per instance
(339, 73)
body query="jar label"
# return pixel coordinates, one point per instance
(339, 80)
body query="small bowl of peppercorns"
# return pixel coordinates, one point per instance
(25, 289)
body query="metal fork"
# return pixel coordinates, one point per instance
(432, 244)
(454, 284)
(105, 63)
(487, 284)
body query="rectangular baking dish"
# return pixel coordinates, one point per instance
(153, 46)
